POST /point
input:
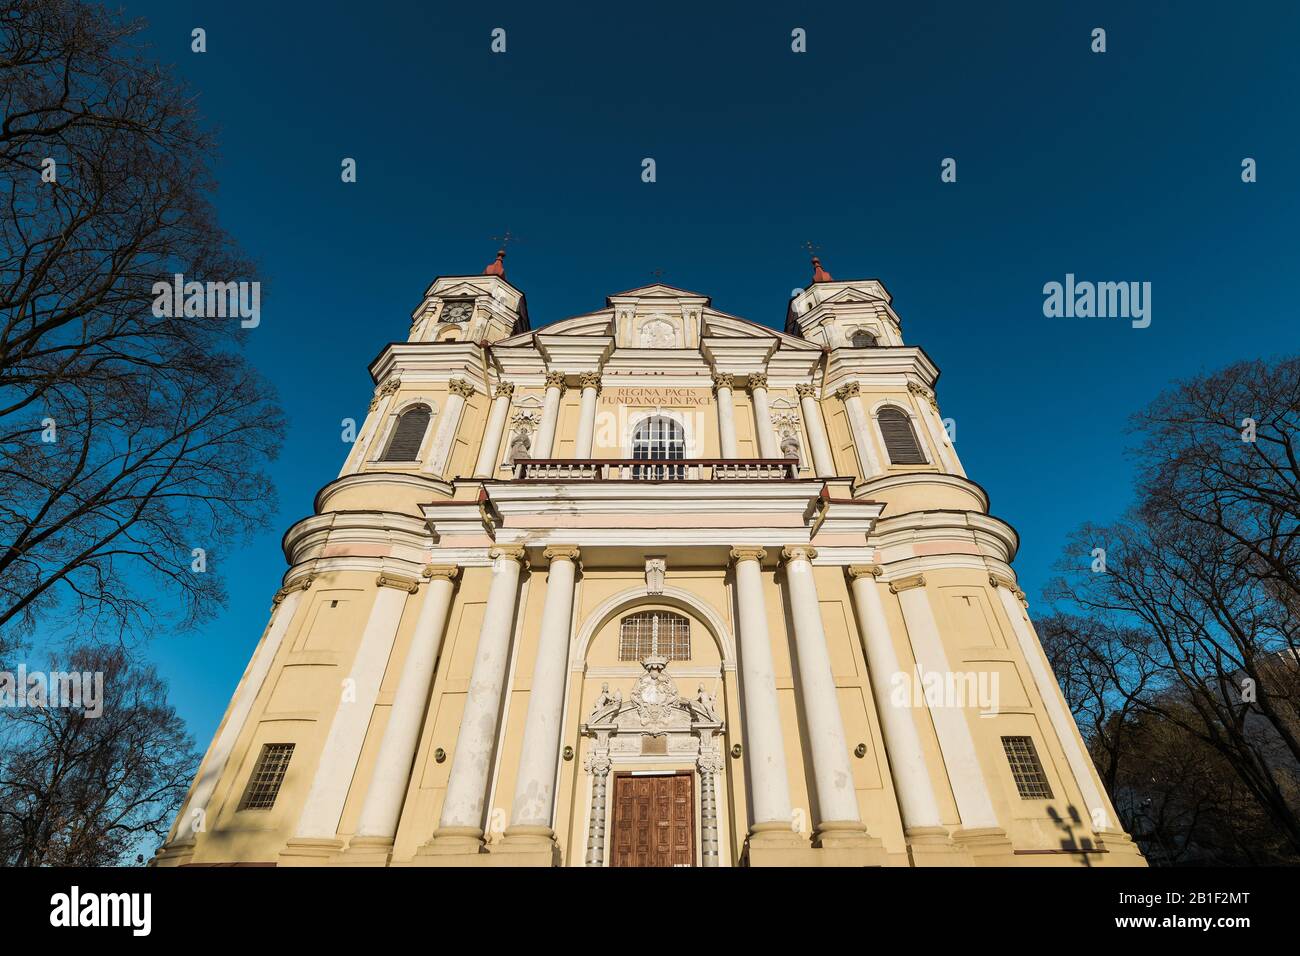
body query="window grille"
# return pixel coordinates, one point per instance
(1026, 768)
(654, 634)
(268, 774)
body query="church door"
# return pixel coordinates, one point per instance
(654, 820)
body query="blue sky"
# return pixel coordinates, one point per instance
(1122, 166)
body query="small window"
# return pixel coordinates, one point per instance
(264, 785)
(654, 634)
(1026, 768)
(659, 439)
(408, 435)
(862, 339)
(900, 439)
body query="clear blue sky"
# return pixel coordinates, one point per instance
(1120, 166)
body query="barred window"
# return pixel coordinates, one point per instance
(1031, 781)
(408, 435)
(264, 784)
(900, 439)
(654, 634)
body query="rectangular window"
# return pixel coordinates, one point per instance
(268, 774)
(1026, 768)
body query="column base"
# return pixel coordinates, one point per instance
(451, 846)
(775, 844)
(932, 846)
(847, 843)
(528, 846)
(174, 854)
(1120, 849)
(310, 851)
(987, 846)
(367, 851)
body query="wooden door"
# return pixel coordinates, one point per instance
(654, 820)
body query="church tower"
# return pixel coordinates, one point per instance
(654, 585)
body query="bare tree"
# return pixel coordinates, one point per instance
(81, 790)
(127, 438)
(1192, 621)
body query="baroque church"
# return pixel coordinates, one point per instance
(654, 585)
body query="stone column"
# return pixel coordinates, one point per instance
(530, 813)
(458, 390)
(338, 761)
(285, 605)
(898, 725)
(542, 447)
(764, 745)
(960, 758)
(383, 806)
(380, 405)
(861, 427)
(1050, 692)
(823, 460)
(726, 415)
(490, 453)
(460, 827)
(767, 444)
(598, 766)
(709, 764)
(839, 818)
(587, 422)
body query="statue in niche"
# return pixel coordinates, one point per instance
(520, 446)
(606, 702)
(790, 446)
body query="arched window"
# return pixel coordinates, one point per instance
(654, 634)
(862, 339)
(659, 439)
(900, 439)
(408, 435)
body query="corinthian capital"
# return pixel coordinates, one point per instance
(458, 386)
(555, 380)
(758, 380)
(589, 380)
(722, 380)
(850, 390)
(504, 389)
(805, 390)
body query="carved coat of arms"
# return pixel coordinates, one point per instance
(655, 695)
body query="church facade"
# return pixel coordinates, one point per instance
(650, 586)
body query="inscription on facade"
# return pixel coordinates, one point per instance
(656, 397)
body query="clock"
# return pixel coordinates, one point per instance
(457, 310)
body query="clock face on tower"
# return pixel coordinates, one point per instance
(457, 310)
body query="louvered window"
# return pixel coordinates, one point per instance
(862, 339)
(1026, 768)
(264, 784)
(408, 436)
(900, 439)
(654, 634)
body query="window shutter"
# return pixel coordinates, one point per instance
(408, 435)
(900, 440)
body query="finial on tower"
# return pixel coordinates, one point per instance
(498, 268)
(819, 274)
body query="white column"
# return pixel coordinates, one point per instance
(196, 807)
(550, 416)
(709, 765)
(457, 391)
(530, 813)
(928, 410)
(1050, 692)
(726, 415)
(380, 405)
(461, 825)
(823, 460)
(383, 806)
(598, 766)
(338, 760)
(765, 747)
(837, 798)
(898, 725)
(767, 444)
(490, 453)
(587, 422)
(860, 424)
(955, 740)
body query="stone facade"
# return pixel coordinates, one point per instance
(653, 539)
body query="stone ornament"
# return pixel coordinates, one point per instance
(655, 695)
(458, 386)
(758, 380)
(851, 390)
(504, 390)
(555, 380)
(748, 554)
(389, 386)
(806, 391)
(722, 380)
